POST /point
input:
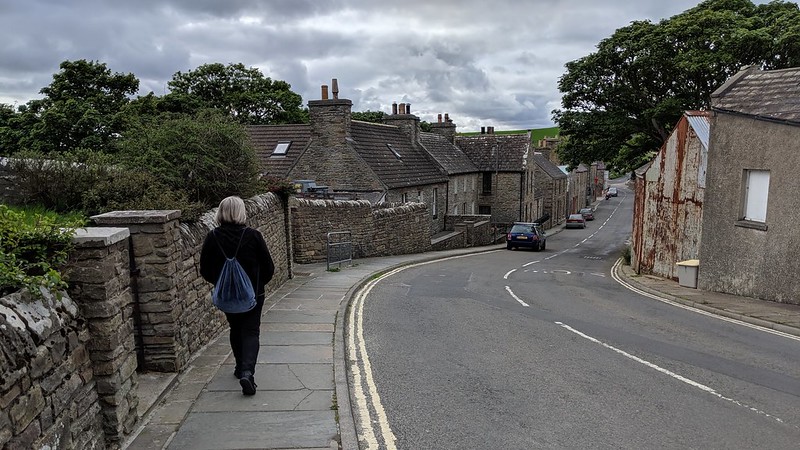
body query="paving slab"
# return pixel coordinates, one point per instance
(305, 317)
(265, 400)
(256, 430)
(295, 338)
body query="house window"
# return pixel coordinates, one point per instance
(485, 210)
(433, 202)
(281, 148)
(405, 197)
(395, 152)
(420, 198)
(487, 182)
(756, 193)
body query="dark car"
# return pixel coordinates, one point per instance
(576, 221)
(524, 234)
(587, 213)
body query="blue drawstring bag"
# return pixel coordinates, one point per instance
(233, 291)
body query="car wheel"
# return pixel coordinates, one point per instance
(509, 247)
(544, 245)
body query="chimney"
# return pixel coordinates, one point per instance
(445, 128)
(335, 88)
(483, 130)
(330, 119)
(439, 118)
(491, 130)
(405, 121)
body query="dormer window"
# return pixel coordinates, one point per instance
(395, 152)
(281, 148)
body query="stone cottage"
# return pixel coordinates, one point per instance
(382, 163)
(750, 240)
(669, 195)
(551, 182)
(506, 185)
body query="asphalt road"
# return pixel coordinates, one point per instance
(522, 349)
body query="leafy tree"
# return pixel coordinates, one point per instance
(620, 102)
(369, 116)
(243, 93)
(207, 156)
(81, 108)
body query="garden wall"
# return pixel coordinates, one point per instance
(393, 229)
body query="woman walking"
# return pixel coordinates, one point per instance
(233, 238)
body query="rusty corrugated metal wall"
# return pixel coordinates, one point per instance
(669, 203)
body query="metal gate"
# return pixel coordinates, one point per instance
(340, 248)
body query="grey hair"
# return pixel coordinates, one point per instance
(231, 210)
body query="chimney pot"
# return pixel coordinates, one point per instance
(402, 108)
(446, 117)
(408, 108)
(335, 87)
(324, 91)
(440, 118)
(483, 130)
(394, 108)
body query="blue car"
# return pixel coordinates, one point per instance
(524, 234)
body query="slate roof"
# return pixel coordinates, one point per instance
(768, 94)
(414, 167)
(450, 157)
(496, 152)
(264, 138)
(548, 167)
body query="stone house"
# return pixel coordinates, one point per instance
(463, 176)
(750, 238)
(668, 200)
(577, 188)
(506, 185)
(598, 177)
(381, 163)
(551, 182)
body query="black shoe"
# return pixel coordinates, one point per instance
(248, 383)
(237, 373)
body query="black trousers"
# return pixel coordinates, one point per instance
(245, 332)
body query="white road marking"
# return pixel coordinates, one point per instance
(516, 298)
(668, 372)
(619, 280)
(532, 262)
(505, 277)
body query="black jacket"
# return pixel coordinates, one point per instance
(253, 255)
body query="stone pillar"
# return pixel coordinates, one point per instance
(99, 276)
(155, 239)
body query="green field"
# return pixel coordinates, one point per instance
(536, 134)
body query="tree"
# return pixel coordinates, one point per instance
(81, 108)
(620, 102)
(369, 116)
(243, 93)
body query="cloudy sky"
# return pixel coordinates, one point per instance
(486, 63)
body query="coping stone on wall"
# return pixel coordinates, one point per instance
(99, 236)
(136, 217)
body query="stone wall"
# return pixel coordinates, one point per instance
(375, 230)
(47, 387)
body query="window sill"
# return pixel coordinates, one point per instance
(751, 224)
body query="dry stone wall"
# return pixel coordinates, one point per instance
(393, 229)
(47, 387)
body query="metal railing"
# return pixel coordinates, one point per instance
(339, 248)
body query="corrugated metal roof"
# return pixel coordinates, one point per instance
(699, 122)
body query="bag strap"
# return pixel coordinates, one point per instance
(216, 239)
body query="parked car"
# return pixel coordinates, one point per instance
(587, 213)
(576, 221)
(612, 192)
(525, 234)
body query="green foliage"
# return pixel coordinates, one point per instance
(538, 134)
(81, 108)
(621, 102)
(369, 116)
(207, 156)
(243, 93)
(279, 186)
(33, 248)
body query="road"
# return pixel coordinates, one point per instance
(522, 349)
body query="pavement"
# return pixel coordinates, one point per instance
(303, 399)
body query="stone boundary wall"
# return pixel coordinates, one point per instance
(382, 230)
(471, 230)
(177, 317)
(48, 397)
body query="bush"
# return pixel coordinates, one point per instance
(33, 250)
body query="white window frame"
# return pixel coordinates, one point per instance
(434, 202)
(281, 148)
(756, 195)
